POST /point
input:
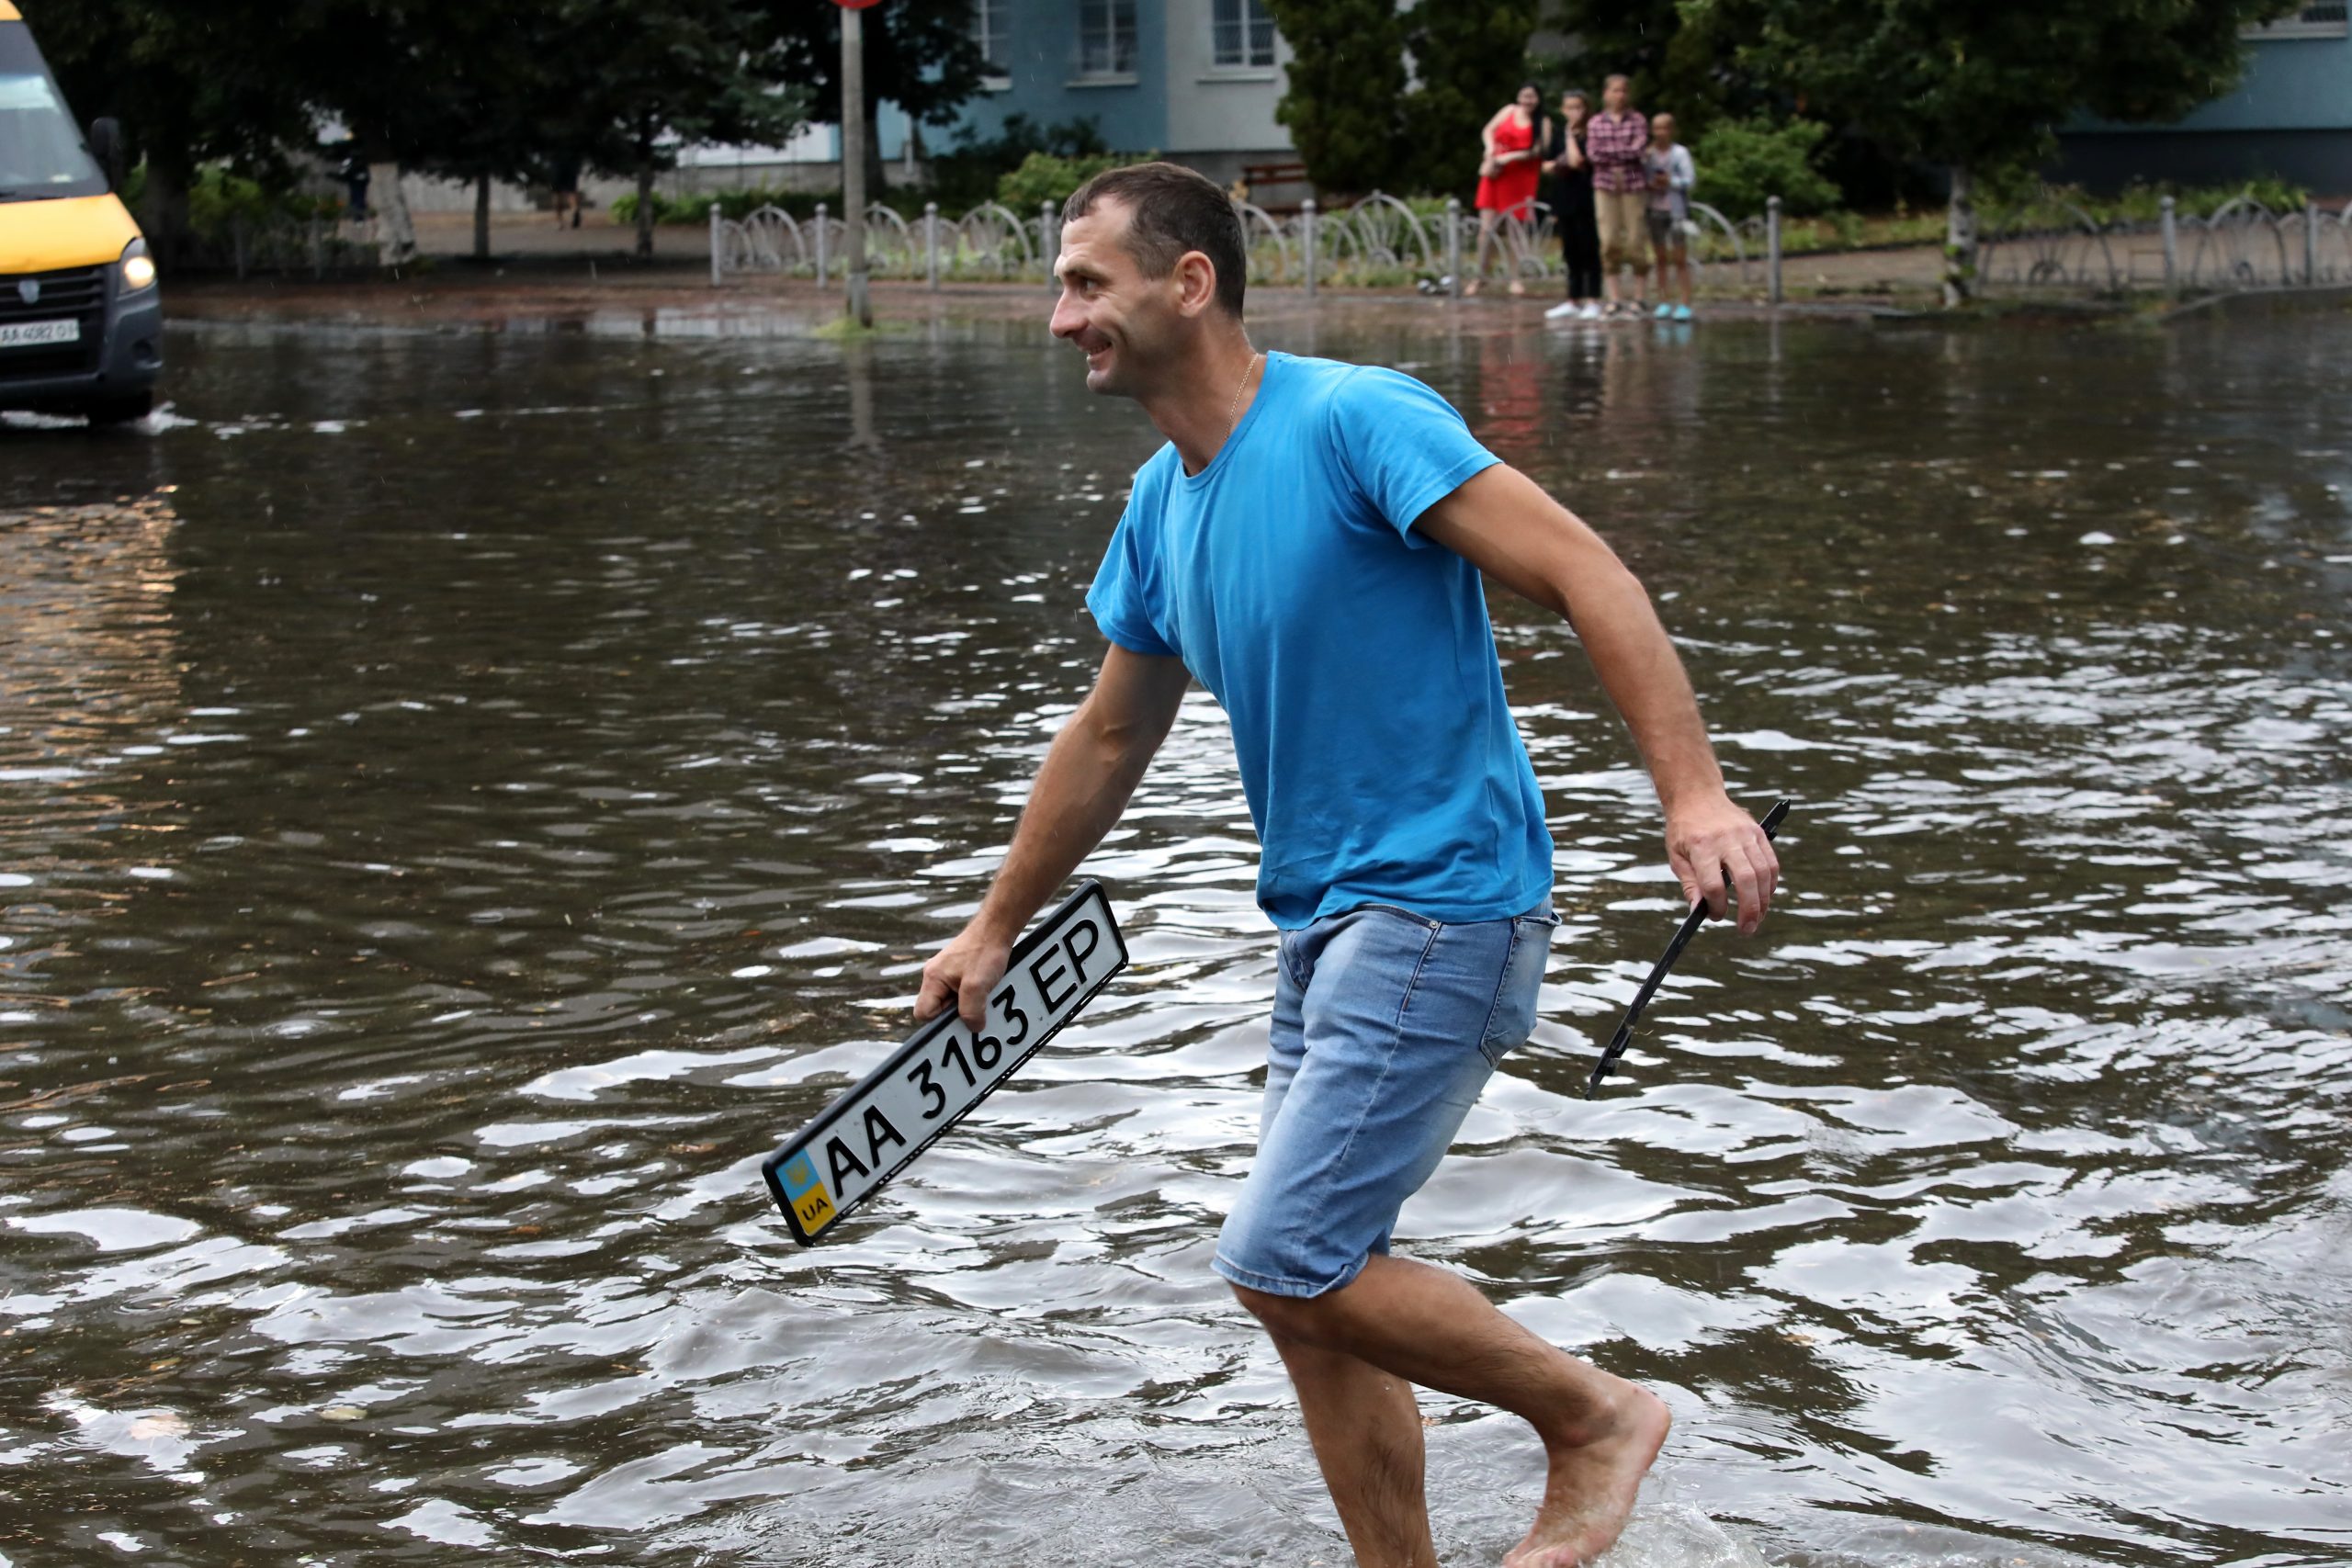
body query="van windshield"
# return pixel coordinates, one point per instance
(41, 147)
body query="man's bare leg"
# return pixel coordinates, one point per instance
(1367, 1435)
(1430, 1327)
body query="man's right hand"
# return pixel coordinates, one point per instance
(963, 973)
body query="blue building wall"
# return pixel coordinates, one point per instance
(1044, 84)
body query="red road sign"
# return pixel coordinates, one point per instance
(857, 4)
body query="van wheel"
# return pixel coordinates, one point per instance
(119, 411)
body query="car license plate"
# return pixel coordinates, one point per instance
(874, 1130)
(35, 334)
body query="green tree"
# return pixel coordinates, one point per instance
(190, 85)
(1978, 88)
(1347, 80)
(459, 91)
(640, 80)
(1467, 61)
(920, 54)
(1674, 56)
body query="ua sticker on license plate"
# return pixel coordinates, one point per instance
(34, 334)
(875, 1130)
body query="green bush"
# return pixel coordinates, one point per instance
(966, 175)
(218, 200)
(1043, 178)
(1743, 161)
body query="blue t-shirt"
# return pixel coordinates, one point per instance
(1354, 659)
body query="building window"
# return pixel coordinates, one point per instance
(2327, 18)
(988, 33)
(1106, 38)
(1241, 35)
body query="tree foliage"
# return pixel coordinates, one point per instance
(1677, 59)
(1744, 163)
(920, 54)
(1467, 61)
(1347, 74)
(1982, 86)
(467, 90)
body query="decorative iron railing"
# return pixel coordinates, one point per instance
(2048, 246)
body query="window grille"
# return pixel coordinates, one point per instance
(1243, 34)
(1106, 38)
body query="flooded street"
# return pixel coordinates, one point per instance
(467, 795)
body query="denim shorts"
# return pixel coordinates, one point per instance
(1386, 1026)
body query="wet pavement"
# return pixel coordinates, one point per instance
(466, 793)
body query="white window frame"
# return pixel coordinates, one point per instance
(988, 33)
(1243, 22)
(2325, 18)
(1102, 61)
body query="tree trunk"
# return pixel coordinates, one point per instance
(390, 205)
(481, 218)
(1960, 239)
(644, 201)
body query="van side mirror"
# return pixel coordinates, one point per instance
(106, 146)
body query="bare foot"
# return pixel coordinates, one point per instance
(1593, 1480)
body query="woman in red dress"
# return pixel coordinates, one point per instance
(1508, 173)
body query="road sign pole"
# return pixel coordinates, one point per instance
(853, 162)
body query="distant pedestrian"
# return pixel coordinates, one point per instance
(1510, 166)
(565, 178)
(1616, 141)
(1572, 210)
(1671, 174)
(354, 178)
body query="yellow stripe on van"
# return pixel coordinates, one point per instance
(74, 231)
(10, 13)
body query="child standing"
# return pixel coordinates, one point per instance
(1671, 175)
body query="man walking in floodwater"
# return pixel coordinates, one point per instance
(1309, 545)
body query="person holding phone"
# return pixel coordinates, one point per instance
(1571, 168)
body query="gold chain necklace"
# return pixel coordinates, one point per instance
(1231, 407)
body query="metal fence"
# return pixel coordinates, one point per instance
(1378, 241)
(285, 247)
(2055, 247)
(2048, 246)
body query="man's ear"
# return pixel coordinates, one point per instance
(1195, 283)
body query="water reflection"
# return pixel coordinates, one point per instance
(563, 745)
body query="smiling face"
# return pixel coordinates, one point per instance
(1122, 321)
(1530, 100)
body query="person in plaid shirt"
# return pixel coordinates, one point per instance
(1615, 141)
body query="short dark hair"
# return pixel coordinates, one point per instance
(1171, 211)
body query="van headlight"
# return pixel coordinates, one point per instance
(138, 268)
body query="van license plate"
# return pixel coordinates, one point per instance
(874, 1131)
(35, 334)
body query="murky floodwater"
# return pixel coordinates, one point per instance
(463, 796)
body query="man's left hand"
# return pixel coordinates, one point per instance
(1720, 854)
